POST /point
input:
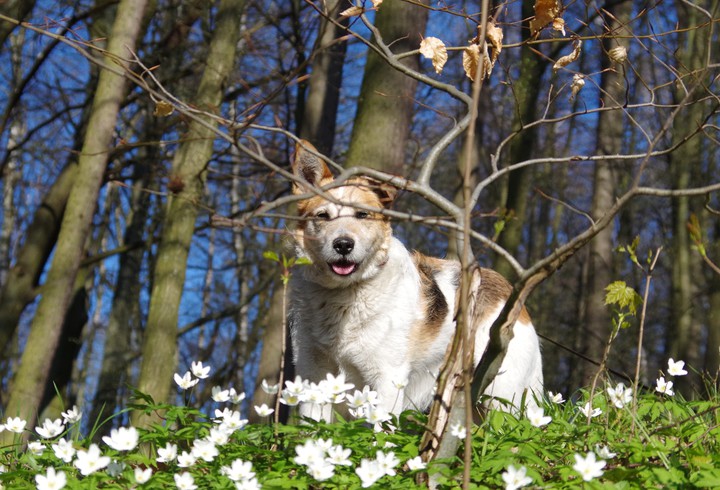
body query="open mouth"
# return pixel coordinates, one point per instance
(343, 267)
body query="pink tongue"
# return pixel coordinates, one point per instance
(343, 269)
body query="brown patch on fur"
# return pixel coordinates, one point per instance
(495, 290)
(433, 299)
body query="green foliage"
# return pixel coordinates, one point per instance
(286, 263)
(664, 442)
(623, 296)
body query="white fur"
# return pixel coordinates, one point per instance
(364, 331)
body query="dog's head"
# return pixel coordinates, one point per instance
(345, 235)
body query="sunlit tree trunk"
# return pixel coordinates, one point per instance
(385, 107)
(32, 374)
(159, 349)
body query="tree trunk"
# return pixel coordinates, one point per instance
(32, 375)
(526, 91)
(320, 108)
(269, 365)
(597, 326)
(159, 349)
(15, 9)
(385, 107)
(125, 313)
(691, 58)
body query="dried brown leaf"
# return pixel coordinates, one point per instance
(352, 11)
(435, 50)
(577, 84)
(163, 109)
(471, 60)
(567, 59)
(545, 12)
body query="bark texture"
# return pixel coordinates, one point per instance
(385, 107)
(32, 375)
(159, 349)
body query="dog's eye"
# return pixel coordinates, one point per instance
(361, 214)
(323, 215)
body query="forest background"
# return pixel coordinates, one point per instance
(145, 149)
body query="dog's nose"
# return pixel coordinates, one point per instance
(343, 245)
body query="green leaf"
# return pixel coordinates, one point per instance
(622, 295)
(271, 255)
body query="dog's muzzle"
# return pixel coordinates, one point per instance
(344, 247)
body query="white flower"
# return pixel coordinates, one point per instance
(377, 415)
(238, 470)
(536, 416)
(676, 368)
(233, 422)
(142, 475)
(337, 384)
(36, 448)
(369, 472)
(64, 450)
(516, 478)
(555, 397)
(122, 439)
(387, 462)
(51, 480)
(219, 435)
(416, 463)
(219, 395)
(309, 453)
(664, 386)
(199, 370)
(186, 459)
(249, 484)
(90, 461)
(167, 454)
(15, 424)
(186, 382)
(619, 396)
(589, 411)
(290, 399)
(316, 393)
(72, 416)
(357, 400)
(185, 481)
(204, 449)
(296, 387)
(338, 456)
(236, 397)
(50, 428)
(588, 467)
(263, 410)
(604, 452)
(268, 388)
(321, 471)
(458, 430)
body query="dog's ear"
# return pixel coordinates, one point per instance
(309, 167)
(384, 191)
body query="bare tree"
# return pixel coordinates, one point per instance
(32, 375)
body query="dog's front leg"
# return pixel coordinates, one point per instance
(391, 391)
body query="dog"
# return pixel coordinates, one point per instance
(383, 316)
